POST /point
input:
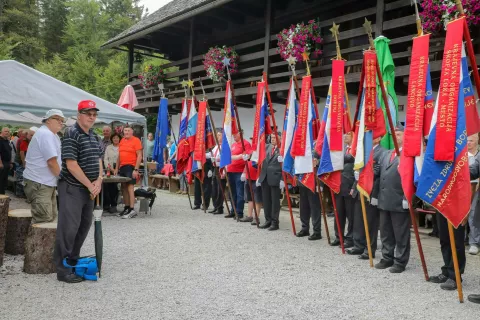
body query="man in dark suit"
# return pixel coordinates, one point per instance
(271, 181)
(359, 237)
(344, 201)
(394, 217)
(207, 184)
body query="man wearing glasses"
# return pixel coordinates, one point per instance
(80, 181)
(42, 168)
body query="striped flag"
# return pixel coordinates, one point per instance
(182, 148)
(289, 121)
(229, 127)
(261, 127)
(446, 183)
(192, 124)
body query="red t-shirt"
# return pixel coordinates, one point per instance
(253, 172)
(237, 148)
(24, 145)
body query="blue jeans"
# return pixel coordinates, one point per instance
(238, 191)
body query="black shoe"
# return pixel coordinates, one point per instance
(335, 243)
(396, 269)
(230, 215)
(348, 244)
(214, 211)
(315, 236)
(438, 279)
(218, 212)
(246, 219)
(449, 285)
(364, 256)
(273, 227)
(196, 207)
(112, 210)
(303, 233)
(124, 212)
(384, 264)
(355, 252)
(266, 225)
(475, 298)
(69, 278)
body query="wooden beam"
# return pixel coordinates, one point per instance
(379, 17)
(268, 28)
(397, 4)
(190, 47)
(130, 59)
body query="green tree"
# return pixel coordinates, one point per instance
(54, 18)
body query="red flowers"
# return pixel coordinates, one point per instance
(299, 38)
(151, 76)
(213, 62)
(437, 13)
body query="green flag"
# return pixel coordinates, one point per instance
(387, 68)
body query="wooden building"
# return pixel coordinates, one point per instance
(184, 30)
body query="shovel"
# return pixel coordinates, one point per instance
(97, 213)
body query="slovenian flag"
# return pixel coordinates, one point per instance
(302, 145)
(331, 155)
(261, 127)
(229, 127)
(192, 124)
(446, 184)
(289, 121)
(369, 124)
(183, 151)
(418, 116)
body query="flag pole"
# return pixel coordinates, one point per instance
(217, 171)
(287, 194)
(226, 62)
(184, 178)
(204, 205)
(368, 28)
(367, 233)
(340, 232)
(455, 262)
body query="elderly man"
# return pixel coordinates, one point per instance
(129, 159)
(43, 163)
(80, 181)
(5, 158)
(20, 161)
(105, 142)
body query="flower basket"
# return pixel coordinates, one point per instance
(437, 13)
(151, 77)
(213, 62)
(298, 39)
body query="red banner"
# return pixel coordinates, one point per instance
(256, 124)
(448, 93)
(333, 180)
(416, 96)
(300, 136)
(199, 153)
(336, 105)
(370, 70)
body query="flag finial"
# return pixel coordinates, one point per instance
(368, 29)
(226, 63)
(161, 87)
(306, 58)
(185, 86)
(335, 34)
(417, 18)
(291, 62)
(203, 89)
(191, 86)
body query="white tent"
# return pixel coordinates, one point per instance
(25, 89)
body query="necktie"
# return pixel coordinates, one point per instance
(273, 151)
(348, 150)
(394, 154)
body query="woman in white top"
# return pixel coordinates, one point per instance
(110, 162)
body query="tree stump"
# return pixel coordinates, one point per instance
(4, 204)
(39, 248)
(19, 221)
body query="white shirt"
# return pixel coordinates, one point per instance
(44, 146)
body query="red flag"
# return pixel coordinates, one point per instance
(256, 123)
(448, 92)
(336, 105)
(370, 70)
(300, 136)
(333, 180)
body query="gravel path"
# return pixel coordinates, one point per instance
(182, 264)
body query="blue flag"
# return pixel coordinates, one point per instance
(161, 134)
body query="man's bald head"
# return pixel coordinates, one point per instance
(472, 143)
(5, 132)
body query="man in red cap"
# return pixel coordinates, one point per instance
(80, 178)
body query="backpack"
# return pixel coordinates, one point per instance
(85, 268)
(147, 194)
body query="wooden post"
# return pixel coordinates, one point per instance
(455, 262)
(4, 205)
(39, 248)
(190, 48)
(17, 229)
(268, 28)
(367, 233)
(131, 58)
(379, 17)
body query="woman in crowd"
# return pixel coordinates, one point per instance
(110, 163)
(149, 146)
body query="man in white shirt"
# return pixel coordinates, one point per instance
(43, 163)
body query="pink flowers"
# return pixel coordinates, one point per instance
(437, 13)
(151, 76)
(213, 62)
(298, 39)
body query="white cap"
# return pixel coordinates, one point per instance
(34, 129)
(53, 112)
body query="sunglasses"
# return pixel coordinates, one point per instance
(90, 114)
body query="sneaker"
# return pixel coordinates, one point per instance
(473, 249)
(449, 285)
(124, 212)
(131, 214)
(246, 219)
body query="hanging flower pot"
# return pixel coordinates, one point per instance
(213, 62)
(151, 76)
(299, 38)
(437, 13)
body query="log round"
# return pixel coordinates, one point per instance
(19, 221)
(39, 248)
(4, 204)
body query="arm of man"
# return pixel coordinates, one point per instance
(53, 166)
(475, 168)
(115, 171)
(77, 172)
(22, 158)
(137, 165)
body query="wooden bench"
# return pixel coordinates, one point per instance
(173, 182)
(153, 177)
(292, 197)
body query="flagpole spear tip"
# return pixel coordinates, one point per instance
(191, 86)
(291, 62)
(418, 20)
(368, 29)
(226, 63)
(335, 34)
(306, 58)
(185, 86)
(460, 7)
(203, 89)
(161, 87)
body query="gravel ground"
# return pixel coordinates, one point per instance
(183, 264)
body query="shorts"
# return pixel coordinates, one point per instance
(127, 171)
(257, 192)
(43, 200)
